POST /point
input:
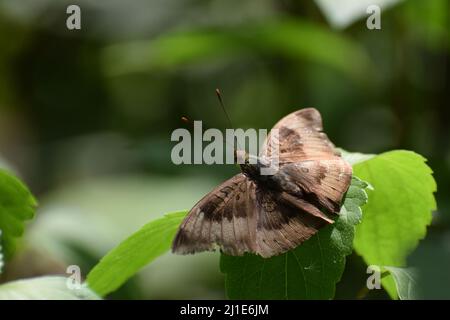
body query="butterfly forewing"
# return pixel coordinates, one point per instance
(225, 217)
(309, 158)
(299, 137)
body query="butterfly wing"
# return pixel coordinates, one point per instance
(284, 222)
(299, 138)
(224, 218)
(309, 159)
(238, 217)
(313, 177)
(323, 183)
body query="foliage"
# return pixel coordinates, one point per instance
(17, 205)
(132, 79)
(399, 210)
(294, 39)
(390, 230)
(151, 241)
(312, 270)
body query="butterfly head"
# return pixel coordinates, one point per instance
(251, 165)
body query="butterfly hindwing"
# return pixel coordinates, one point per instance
(283, 224)
(322, 182)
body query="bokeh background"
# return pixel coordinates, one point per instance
(86, 115)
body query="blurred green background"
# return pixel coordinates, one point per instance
(86, 115)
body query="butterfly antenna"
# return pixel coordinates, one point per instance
(191, 124)
(222, 105)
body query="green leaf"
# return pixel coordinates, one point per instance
(399, 210)
(142, 247)
(310, 271)
(293, 39)
(44, 288)
(1, 253)
(16, 206)
(405, 282)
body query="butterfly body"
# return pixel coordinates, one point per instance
(276, 182)
(269, 214)
(253, 170)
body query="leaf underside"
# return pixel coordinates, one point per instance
(405, 280)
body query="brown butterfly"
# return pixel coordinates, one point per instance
(271, 214)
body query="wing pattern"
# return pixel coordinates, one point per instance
(242, 215)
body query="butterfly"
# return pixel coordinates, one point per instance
(271, 214)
